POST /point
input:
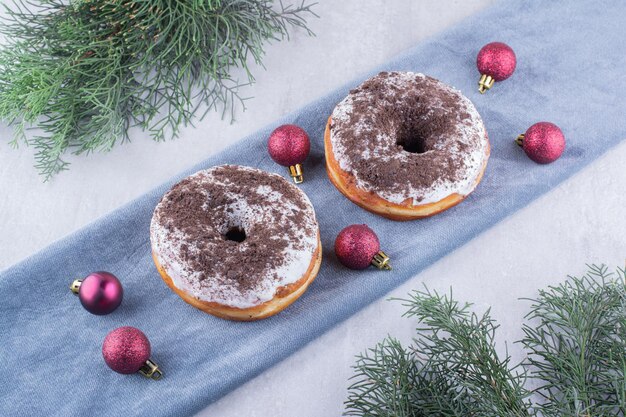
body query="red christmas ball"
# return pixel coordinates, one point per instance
(356, 246)
(126, 350)
(497, 60)
(289, 145)
(543, 142)
(100, 293)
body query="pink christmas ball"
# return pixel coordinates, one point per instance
(544, 142)
(356, 246)
(100, 293)
(289, 145)
(126, 349)
(496, 59)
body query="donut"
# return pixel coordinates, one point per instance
(236, 242)
(405, 146)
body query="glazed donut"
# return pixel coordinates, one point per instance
(404, 145)
(236, 242)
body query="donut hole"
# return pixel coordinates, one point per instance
(412, 143)
(236, 234)
(411, 135)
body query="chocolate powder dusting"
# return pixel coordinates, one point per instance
(200, 213)
(416, 118)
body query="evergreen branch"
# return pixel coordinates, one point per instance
(458, 348)
(452, 369)
(384, 382)
(82, 73)
(576, 342)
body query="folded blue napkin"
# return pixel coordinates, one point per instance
(571, 71)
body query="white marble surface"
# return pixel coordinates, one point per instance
(580, 221)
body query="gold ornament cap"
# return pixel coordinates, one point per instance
(520, 140)
(381, 261)
(75, 286)
(485, 83)
(296, 173)
(151, 370)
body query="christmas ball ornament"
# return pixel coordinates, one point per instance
(543, 142)
(99, 292)
(126, 350)
(289, 146)
(358, 247)
(496, 62)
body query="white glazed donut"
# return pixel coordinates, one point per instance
(405, 145)
(236, 242)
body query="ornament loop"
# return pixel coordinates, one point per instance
(485, 83)
(296, 173)
(381, 261)
(75, 286)
(520, 140)
(151, 370)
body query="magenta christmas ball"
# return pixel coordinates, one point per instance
(356, 246)
(543, 142)
(100, 293)
(289, 145)
(497, 60)
(126, 350)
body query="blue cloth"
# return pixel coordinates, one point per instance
(570, 71)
